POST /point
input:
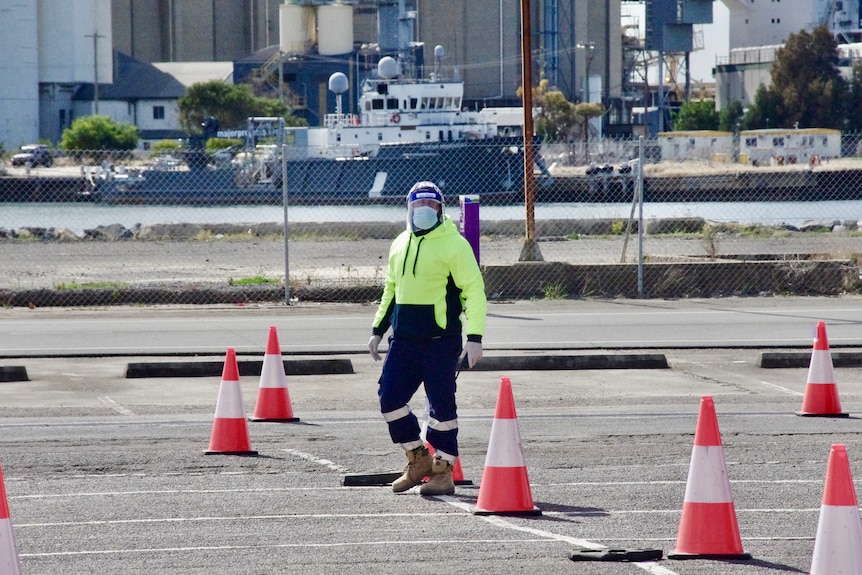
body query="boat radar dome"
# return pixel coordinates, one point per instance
(338, 83)
(388, 67)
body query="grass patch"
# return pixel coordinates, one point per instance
(554, 291)
(209, 236)
(252, 281)
(90, 285)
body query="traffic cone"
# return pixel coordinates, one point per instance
(9, 562)
(838, 544)
(273, 399)
(505, 487)
(821, 393)
(230, 430)
(708, 528)
(457, 472)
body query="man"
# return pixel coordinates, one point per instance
(432, 277)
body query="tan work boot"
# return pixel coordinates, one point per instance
(418, 466)
(441, 482)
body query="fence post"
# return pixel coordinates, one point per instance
(469, 224)
(286, 244)
(640, 192)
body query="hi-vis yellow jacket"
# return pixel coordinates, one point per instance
(430, 280)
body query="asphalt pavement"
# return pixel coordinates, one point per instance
(107, 473)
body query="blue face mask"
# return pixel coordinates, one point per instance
(424, 218)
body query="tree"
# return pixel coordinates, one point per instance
(854, 101)
(585, 112)
(807, 89)
(765, 111)
(730, 116)
(558, 117)
(99, 133)
(696, 115)
(230, 104)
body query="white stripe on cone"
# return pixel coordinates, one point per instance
(820, 369)
(838, 544)
(505, 448)
(708, 481)
(9, 562)
(272, 372)
(229, 404)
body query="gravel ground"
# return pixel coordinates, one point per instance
(47, 264)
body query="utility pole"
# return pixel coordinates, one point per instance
(95, 36)
(530, 251)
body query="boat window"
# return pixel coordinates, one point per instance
(413, 103)
(338, 137)
(439, 102)
(377, 104)
(778, 142)
(450, 135)
(427, 135)
(379, 137)
(391, 103)
(432, 103)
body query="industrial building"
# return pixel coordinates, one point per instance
(758, 29)
(289, 48)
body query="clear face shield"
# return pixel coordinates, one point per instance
(423, 214)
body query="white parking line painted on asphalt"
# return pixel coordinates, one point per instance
(314, 459)
(231, 518)
(340, 488)
(783, 390)
(648, 566)
(385, 543)
(115, 406)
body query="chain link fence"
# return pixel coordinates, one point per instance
(683, 215)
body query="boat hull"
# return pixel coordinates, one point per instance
(493, 170)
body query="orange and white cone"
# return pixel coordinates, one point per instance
(273, 399)
(10, 564)
(230, 430)
(821, 392)
(457, 472)
(838, 544)
(708, 527)
(505, 487)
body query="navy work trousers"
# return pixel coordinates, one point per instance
(409, 363)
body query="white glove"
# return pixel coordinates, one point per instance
(473, 353)
(373, 343)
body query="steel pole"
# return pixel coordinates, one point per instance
(530, 251)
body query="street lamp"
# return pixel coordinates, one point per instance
(591, 46)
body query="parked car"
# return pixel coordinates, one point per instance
(36, 154)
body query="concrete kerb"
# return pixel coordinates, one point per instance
(332, 366)
(336, 366)
(792, 359)
(12, 373)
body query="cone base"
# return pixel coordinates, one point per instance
(275, 419)
(805, 414)
(713, 556)
(248, 453)
(526, 512)
(463, 482)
